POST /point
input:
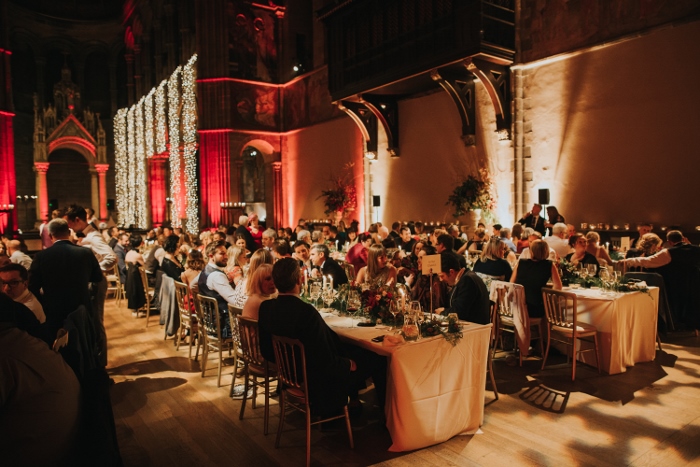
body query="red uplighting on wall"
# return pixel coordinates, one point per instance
(8, 182)
(215, 169)
(158, 191)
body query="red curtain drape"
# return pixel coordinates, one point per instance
(8, 182)
(215, 173)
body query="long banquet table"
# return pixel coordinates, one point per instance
(626, 324)
(434, 390)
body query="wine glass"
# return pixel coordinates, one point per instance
(353, 301)
(394, 309)
(581, 270)
(328, 297)
(315, 292)
(592, 269)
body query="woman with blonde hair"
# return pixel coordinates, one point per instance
(491, 262)
(235, 267)
(260, 287)
(379, 271)
(260, 257)
(595, 249)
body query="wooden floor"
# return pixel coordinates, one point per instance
(167, 414)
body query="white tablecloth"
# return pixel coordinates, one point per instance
(434, 390)
(626, 324)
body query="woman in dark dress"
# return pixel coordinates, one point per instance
(171, 266)
(492, 262)
(580, 256)
(421, 288)
(533, 274)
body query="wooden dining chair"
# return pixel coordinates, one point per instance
(234, 313)
(291, 367)
(211, 326)
(255, 367)
(506, 309)
(492, 347)
(149, 296)
(115, 286)
(188, 320)
(563, 326)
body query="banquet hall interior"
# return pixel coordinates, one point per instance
(192, 113)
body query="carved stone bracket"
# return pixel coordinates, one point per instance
(386, 109)
(461, 90)
(496, 80)
(365, 119)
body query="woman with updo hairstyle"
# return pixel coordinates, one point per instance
(193, 266)
(379, 271)
(260, 287)
(533, 274)
(647, 245)
(133, 256)
(595, 249)
(491, 262)
(580, 256)
(171, 265)
(479, 239)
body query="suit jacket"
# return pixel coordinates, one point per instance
(121, 261)
(682, 278)
(327, 370)
(536, 224)
(63, 272)
(249, 240)
(470, 299)
(335, 270)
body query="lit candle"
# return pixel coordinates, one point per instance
(403, 300)
(607, 246)
(306, 277)
(330, 280)
(336, 244)
(324, 282)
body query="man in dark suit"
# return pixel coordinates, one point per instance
(320, 257)
(60, 277)
(445, 244)
(335, 371)
(469, 297)
(533, 220)
(679, 264)
(120, 250)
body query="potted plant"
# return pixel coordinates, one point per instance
(341, 197)
(472, 196)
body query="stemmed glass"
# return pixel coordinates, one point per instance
(582, 270)
(592, 268)
(394, 309)
(328, 296)
(315, 292)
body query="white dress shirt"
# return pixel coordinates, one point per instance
(18, 257)
(104, 254)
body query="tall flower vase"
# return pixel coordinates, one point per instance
(471, 220)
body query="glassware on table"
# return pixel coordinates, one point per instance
(414, 307)
(411, 328)
(592, 269)
(394, 309)
(315, 292)
(582, 270)
(328, 296)
(353, 301)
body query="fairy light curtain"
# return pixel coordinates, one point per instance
(163, 124)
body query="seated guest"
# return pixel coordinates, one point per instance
(133, 256)
(445, 244)
(302, 253)
(120, 252)
(524, 239)
(492, 263)
(327, 266)
(213, 283)
(647, 245)
(580, 256)
(17, 256)
(406, 241)
(533, 274)
(643, 229)
(421, 289)
(171, 266)
(352, 237)
(13, 280)
(261, 256)
(477, 241)
(281, 249)
(193, 266)
(236, 265)
(413, 257)
(457, 242)
(261, 287)
(536, 236)
(357, 254)
(595, 249)
(469, 298)
(506, 236)
(379, 271)
(244, 232)
(334, 371)
(679, 265)
(557, 241)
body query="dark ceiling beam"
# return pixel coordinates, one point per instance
(386, 109)
(461, 90)
(365, 120)
(496, 80)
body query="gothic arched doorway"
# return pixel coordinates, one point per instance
(68, 179)
(260, 186)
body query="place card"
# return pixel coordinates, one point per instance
(431, 263)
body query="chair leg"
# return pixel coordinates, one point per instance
(546, 353)
(349, 427)
(493, 379)
(192, 336)
(573, 370)
(308, 435)
(200, 343)
(282, 411)
(597, 359)
(245, 390)
(221, 358)
(267, 403)
(205, 355)
(179, 335)
(539, 331)
(658, 340)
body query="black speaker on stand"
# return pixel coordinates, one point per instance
(543, 199)
(376, 202)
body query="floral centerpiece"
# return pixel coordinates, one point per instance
(473, 193)
(341, 197)
(452, 332)
(376, 301)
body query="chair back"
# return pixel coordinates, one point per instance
(349, 269)
(250, 341)
(209, 310)
(560, 308)
(291, 362)
(234, 313)
(182, 294)
(655, 280)
(144, 280)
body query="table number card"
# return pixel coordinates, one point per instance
(431, 262)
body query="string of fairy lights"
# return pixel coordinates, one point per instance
(164, 122)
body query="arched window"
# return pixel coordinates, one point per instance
(253, 176)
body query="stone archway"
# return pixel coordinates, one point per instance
(269, 162)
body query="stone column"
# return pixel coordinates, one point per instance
(277, 207)
(94, 191)
(102, 181)
(42, 190)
